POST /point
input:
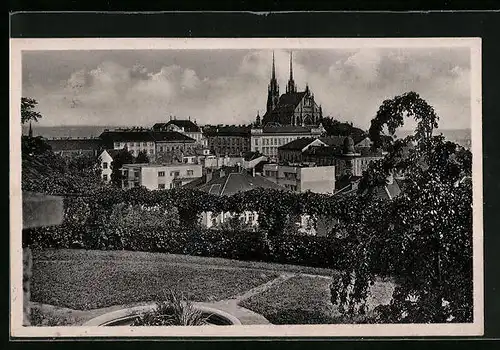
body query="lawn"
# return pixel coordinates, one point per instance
(306, 300)
(71, 286)
(299, 300)
(84, 280)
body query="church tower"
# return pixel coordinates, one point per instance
(273, 93)
(290, 87)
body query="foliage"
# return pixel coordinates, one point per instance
(45, 172)
(142, 157)
(27, 110)
(173, 310)
(337, 128)
(121, 158)
(423, 237)
(392, 112)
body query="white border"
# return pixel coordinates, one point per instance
(378, 330)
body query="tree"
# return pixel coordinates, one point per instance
(423, 237)
(392, 113)
(337, 128)
(27, 110)
(142, 157)
(121, 158)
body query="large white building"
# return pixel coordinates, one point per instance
(267, 139)
(159, 176)
(302, 177)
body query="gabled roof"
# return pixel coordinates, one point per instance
(334, 140)
(286, 106)
(298, 144)
(113, 152)
(127, 135)
(323, 151)
(229, 130)
(188, 125)
(237, 182)
(347, 184)
(286, 129)
(338, 140)
(173, 136)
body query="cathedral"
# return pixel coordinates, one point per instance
(296, 108)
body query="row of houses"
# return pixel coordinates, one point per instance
(185, 136)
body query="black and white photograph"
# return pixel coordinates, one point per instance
(246, 187)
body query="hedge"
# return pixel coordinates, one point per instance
(240, 245)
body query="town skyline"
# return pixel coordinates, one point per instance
(141, 87)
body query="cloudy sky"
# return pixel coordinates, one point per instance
(230, 86)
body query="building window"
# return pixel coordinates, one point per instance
(161, 186)
(136, 173)
(151, 151)
(137, 144)
(105, 177)
(136, 184)
(144, 144)
(105, 165)
(190, 172)
(161, 148)
(161, 173)
(256, 142)
(174, 173)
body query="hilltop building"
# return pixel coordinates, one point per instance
(153, 143)
(228, 140)
(267, 139)
(186, 127)
(297, 108)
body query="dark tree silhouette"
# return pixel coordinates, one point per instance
(27, 110)
(142, 157)
(122, 157)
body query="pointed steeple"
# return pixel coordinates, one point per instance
(273, 93)
(291, 84)
(273, 76)
(30, 132)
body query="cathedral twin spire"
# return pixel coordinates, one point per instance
(273, 90)
(290, 87)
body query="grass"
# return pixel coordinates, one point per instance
(298, 300)
(306, 300)
(80, 283)
(94, 279)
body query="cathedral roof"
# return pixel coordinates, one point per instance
(286, 105)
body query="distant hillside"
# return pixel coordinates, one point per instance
(69, 131)
(460, 136)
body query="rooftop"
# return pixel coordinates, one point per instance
(67, 144)
(237, 182)
(158, 165)
(298, 144)
(188, 125)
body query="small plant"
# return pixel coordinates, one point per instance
(175, 310)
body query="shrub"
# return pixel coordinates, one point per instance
(175, 310)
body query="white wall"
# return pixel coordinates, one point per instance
(318, 179)
(106, 158)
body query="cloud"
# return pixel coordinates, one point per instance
(349, 84)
